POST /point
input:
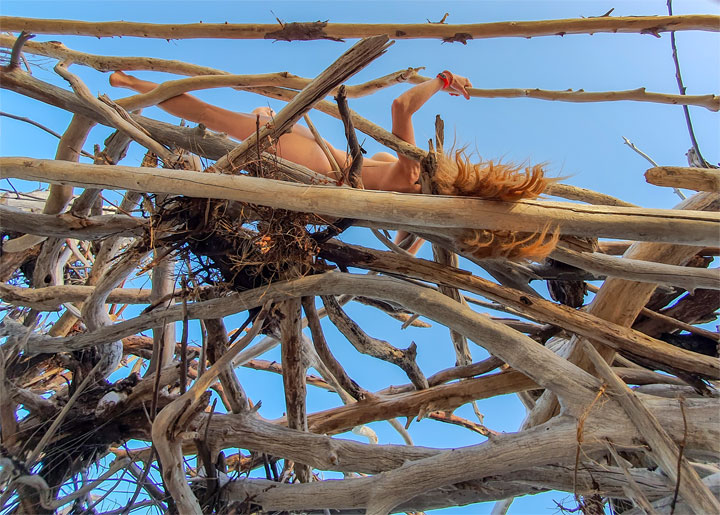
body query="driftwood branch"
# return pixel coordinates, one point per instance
(687, 227)
(322, 30)
(85, 266)
(663, 449)
(404, 358)
(347, 65)
(698, 179)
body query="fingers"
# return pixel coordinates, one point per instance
(461, 84)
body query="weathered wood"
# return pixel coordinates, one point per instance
(662, 448)
(579, 322)
(324, 30)
(68, 225)
(687, 227)
(642, 271)
(698, 179)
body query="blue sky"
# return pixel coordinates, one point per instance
(580, 141)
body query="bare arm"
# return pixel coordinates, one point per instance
(407, 104)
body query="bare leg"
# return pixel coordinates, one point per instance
(237, 125)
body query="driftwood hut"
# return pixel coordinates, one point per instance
(222, 251)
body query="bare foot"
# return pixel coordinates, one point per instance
(119, 79)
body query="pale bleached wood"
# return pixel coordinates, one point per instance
(47, 299)
(578, 322)
(662, 448)
(556, 189)
(69, 226)
(115, 118)
(94, 311)
(619, 301)
(582, 323)
(687, 278)
(342, 455)
(283, 79)
(68, 149)
(688, 227)
(554, 443)
(163, 287)
(569, 382)
(667, 505)
(169, 421)
(589, 478)
(618, 248)
(698, 179)
(324, 30)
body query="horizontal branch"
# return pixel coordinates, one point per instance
(326, 453)
(70, 226)
(579, 322)
(552, 443)
(672, 226)
(710, 101)
(687, 278)
(213, 78)
(587, 480)
(51, 297)
(323, 30)
(416, 403)
(516, 349)
(698, 179)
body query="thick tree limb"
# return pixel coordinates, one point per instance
(70, 226)
(698, 179)
(663, 450)
(677, 226)
(684, 277)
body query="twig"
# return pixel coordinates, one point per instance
(682, 89)
(632, 146)
(442, 20)
(40, 126)
(354, 175)
(390, 245)
(17, 50)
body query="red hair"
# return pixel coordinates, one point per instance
(499, 181)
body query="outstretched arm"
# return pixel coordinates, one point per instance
(407, 104)
(404, 106)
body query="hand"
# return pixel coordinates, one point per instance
(459, 85)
